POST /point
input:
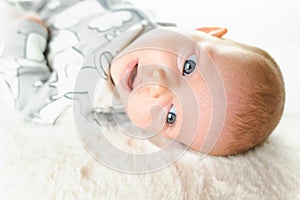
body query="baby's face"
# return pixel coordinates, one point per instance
(179, 85)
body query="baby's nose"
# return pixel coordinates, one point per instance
(158, 85)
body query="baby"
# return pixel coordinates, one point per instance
(212, 94)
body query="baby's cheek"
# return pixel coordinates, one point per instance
(137, 109)
(145, 112)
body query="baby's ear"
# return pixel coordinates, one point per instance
(213, 31)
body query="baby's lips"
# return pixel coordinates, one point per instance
(127, 73)
(132, 77)
(124, 82)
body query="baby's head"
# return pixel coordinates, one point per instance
(215, 95)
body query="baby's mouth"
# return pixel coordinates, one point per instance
(132, 76)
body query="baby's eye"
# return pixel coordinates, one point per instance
(171, 117)
(189, 65)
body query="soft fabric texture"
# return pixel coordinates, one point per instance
(50, 162)
(40, 162)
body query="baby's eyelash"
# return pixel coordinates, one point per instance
(171, 116)
(185, 62)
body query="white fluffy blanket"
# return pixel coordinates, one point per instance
(41, 162)
(38, 162)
